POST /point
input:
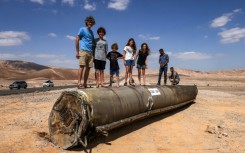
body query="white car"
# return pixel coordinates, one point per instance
(48, 83)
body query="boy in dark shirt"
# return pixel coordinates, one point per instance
(114, 67)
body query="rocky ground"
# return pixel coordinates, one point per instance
(215, 123)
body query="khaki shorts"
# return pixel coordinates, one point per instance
(86, 58)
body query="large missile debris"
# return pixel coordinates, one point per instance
(80, 114)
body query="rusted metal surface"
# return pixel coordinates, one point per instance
(79, 114)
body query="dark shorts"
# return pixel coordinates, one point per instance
(141, 66)
(112, 72)
(99, 65)
(129, 62)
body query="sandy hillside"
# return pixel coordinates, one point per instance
(215, 123)
(35, 74)
(22, 70)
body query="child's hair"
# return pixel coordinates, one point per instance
(101, 29)
(161, 50)
(171, 68)
(147, 49)
(114, 45)
(134, 45)
(89, 19)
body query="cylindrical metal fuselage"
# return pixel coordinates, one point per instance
(75, 113)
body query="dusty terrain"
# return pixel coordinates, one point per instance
(215, 123)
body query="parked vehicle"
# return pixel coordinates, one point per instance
(48, 83)
(18, 85)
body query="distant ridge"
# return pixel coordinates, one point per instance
(22, 70)
(21, 65)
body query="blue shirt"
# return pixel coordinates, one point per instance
(86, 39)
(164, 59)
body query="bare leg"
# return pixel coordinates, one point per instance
(86, 74)
(143, 73)
(102, 78)
(117, 76)
(111, 78)
(97, 78)
(139, 76)
(126, 74)
(130, 73)
(80, 74)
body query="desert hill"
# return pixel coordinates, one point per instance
(10, 68)
(50, 73)
(21, 65)
(22, 70)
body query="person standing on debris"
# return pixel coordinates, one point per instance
(101, 48)
(84, 50)
(129, 60)
(174, 77)
(142, 61)
(163, 61)
(113, 56)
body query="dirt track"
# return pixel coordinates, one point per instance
(24, 123)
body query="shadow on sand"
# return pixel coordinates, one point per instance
(127, 129)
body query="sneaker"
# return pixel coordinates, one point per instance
(125, 84)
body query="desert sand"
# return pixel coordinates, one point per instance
(214, 123)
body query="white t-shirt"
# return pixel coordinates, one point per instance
(129, 53)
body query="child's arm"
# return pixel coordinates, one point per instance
(120, 56)
(146, 62)
(108, 56)
(106, 48)
(77, 46)
(124, 55)
(134, 55)
(137, 55)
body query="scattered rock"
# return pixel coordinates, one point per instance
(221, 125)
(218, 130)
(225, 134)
(212, 129)
(220, 135)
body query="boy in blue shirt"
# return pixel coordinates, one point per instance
(84, 50)
(163, 61)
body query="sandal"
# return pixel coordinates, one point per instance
(132, 84)
(80, 86)
(125, 84)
